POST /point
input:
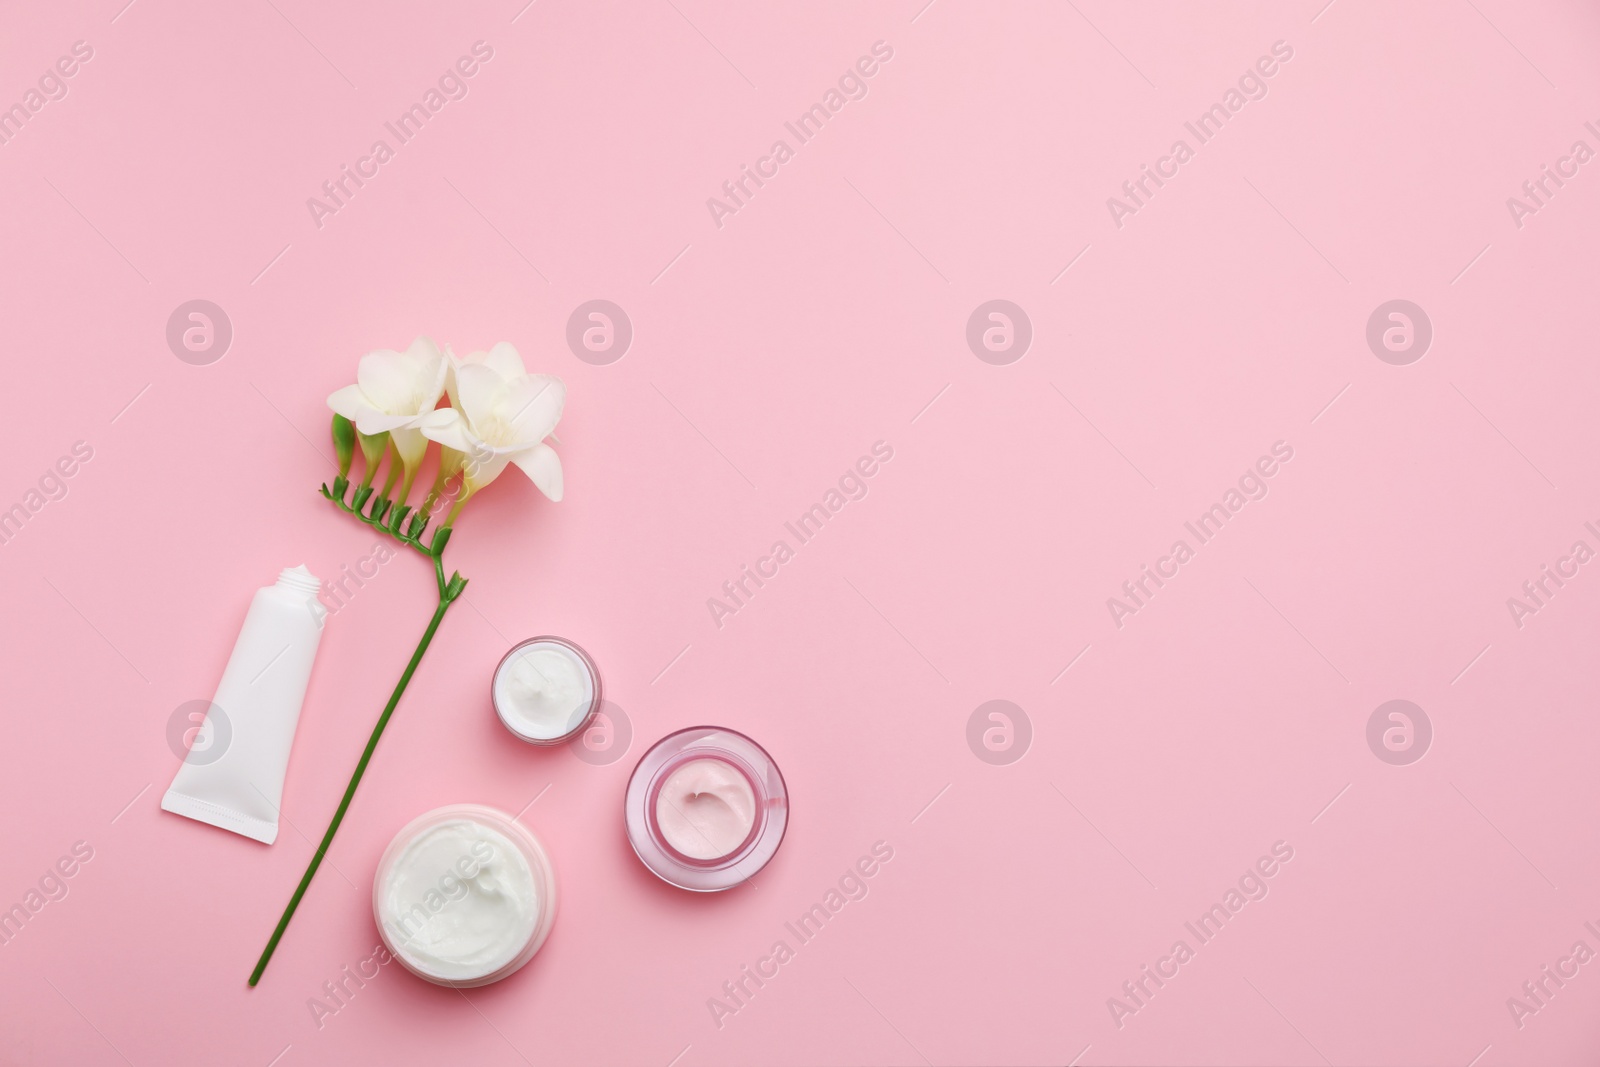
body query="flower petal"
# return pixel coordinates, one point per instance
(503, 360)
(388, 378)
(541, 464)
(412, 446)
(433, 367)
(532, 406)
(372, 421)
(448, 428)
(482, 467)
(423, 349)
(349, 402)
(477, 388)
(451, 364)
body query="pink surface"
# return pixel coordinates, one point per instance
(1164, 757)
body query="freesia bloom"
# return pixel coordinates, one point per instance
(393, 394)
(500, 414)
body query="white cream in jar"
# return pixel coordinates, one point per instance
(546, 690)
(464, 895)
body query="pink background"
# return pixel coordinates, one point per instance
(769, 354)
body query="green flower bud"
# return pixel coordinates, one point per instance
(344, 443)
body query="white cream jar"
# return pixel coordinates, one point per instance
(546, 690)
(464, 896)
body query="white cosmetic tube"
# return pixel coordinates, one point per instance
(233, 774)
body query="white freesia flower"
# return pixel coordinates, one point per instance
(500, 414)
(393, 394)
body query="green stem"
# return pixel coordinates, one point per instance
(448, 591)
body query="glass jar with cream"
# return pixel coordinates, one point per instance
(706, 808)
(546, 690)
(464, 896)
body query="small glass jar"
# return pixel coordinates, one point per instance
(730, 762)
(464, 895)
(553, 665)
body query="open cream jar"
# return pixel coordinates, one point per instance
(706, 808)
(464, 896)
(546, 690)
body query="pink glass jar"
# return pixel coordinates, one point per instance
(688, 802)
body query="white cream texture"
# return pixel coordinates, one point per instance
(705, 809)
(459, 901)
(544, 691)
